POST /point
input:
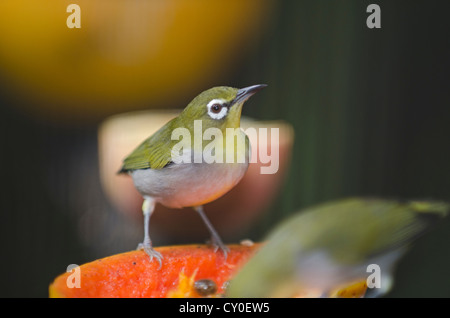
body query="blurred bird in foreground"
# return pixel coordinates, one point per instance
(330, 246)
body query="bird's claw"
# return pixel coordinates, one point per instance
(219, 245)
(151, 253)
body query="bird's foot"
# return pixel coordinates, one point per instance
(218, 244)
(151, 252)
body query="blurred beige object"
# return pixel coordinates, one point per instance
(126, 53)
(231, 214)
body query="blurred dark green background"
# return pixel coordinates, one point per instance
(371, 113)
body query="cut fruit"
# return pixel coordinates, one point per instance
(132, 274)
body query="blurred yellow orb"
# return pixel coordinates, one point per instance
(128, 54)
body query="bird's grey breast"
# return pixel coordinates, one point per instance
(188, 184)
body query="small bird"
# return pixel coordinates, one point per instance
(330, 246)
(162, 177)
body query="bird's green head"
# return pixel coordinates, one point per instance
(219, 106)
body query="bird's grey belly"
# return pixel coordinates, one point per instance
(318, 270)
(185, 185)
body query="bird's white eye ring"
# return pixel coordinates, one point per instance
(217, 109)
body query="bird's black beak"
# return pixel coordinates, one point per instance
(245, 93)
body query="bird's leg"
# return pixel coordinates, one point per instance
(216, 240)
(147, 208)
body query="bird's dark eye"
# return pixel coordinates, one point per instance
(216, 108)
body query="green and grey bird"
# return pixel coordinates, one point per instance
(330, 246)
(174, 177)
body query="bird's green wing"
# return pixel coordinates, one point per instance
(154, 152)
(357, 229)
(401, 223)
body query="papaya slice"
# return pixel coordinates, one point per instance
(186, 271)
